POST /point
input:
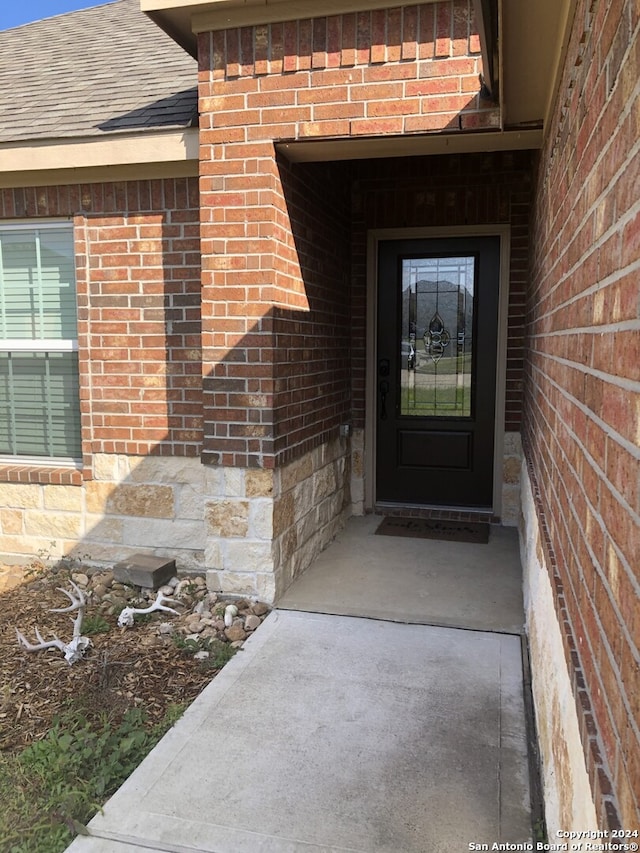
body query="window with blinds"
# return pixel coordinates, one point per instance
(39, 386)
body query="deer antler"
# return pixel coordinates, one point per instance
(126, 617)
(78, 645)
(42, 644)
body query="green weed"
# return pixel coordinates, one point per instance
(52, 788)
(95, 624)
(220, 653)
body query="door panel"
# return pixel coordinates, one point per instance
(437, 351)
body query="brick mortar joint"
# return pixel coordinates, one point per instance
(592, 743)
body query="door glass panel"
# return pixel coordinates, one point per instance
(436, 339)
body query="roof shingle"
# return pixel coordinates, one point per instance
(103, 70)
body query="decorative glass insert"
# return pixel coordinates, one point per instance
(436, 338)
(39, 384)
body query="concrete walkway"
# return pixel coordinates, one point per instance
(425, 581)
(338, 733)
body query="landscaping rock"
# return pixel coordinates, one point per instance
(236, 632)
(252, 622)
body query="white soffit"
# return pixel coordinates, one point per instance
(533, 42)
(310, 150)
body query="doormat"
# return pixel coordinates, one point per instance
(435, 528)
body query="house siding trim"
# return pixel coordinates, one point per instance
(22, 165)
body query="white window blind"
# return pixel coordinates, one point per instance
(39, 388)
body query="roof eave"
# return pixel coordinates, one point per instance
(55, 161)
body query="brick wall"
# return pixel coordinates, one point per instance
(313, 346)
(274, 235)
(474, 189)
(388, 71)
(583, 388)
(138, 283)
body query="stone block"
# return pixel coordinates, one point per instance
(167, 469)
(234, 482)
(11, 521)
(510, 512)
(266, 587)
(213, 581)
(190, 503)
(296, 472)
(20, 496)
(303, 498)
(248, 556)
(213, 557)
(111, 467)
(158, 533)
(258, 483)
(100, 528)
(213, 481)
(283, 513)
(261, 519)
(227, 518)
(237, 583)
(97, 494)
(512, 444)
(511, 470)
(288, 543)
(324, 483)
(55, 525)
(146, 501)
(67, 498)
(145, 570)
(31, 546)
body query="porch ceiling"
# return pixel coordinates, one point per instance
(532, 37)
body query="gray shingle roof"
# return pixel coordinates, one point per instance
(97, 71)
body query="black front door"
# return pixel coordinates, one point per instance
(436, 370)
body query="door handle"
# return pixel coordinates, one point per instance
(384, 390)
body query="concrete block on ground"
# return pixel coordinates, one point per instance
(145, 570)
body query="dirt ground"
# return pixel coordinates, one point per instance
(124, 668)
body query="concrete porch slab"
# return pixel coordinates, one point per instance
(424, 581)
(330, 733)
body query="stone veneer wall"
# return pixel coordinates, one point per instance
(511, 465)
(565, 780)
(253, 530)
(266, 526)
(133, 504)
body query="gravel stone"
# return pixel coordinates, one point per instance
(235, 633)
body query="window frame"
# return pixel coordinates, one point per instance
(44, 345)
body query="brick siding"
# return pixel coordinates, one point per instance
(138, 284)
(274, 235)
(583, 388)
(388, 71)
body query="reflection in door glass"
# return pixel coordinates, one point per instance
(436, 342)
